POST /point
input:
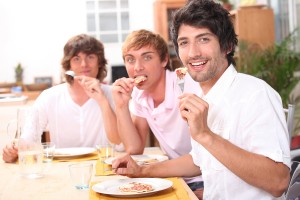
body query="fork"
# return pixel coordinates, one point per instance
(70, 73)
(180, 82)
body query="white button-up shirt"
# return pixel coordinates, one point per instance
(249, 113)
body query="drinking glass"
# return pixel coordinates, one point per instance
(30, 158)
(13, 128)
(48, 151)
(105, 151)
(81, 174)
(30, 149)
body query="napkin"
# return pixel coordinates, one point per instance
(91, 156)
(103, 169)
(177, 191)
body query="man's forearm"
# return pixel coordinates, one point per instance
(179, 167)
(254, 169)
(128, 132)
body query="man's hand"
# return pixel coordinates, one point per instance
(122, 89)
(10, 153)
(91, 86)
(195, 110)
(126, 166)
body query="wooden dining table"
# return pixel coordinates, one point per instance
(56, 183)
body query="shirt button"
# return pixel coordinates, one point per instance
(154, 118)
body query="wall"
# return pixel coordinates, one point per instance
(33, 32)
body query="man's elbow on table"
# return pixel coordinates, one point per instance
(134, 150)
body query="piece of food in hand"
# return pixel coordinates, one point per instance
(136, 187)
(140, 79)
(181, 72)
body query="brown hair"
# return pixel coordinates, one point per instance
(86, 44)
(140, 38)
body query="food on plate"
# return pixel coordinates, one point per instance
(181, 72)
(147, 161)
(136, 187)
(140, 79)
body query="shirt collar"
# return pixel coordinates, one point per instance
(216, 93)
(170, 90)
(170, 97)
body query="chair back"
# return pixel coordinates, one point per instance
(290, 112)
(293, 191)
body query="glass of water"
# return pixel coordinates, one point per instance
(30, 158)
(30, 149)
(49, 150)
(81, 174)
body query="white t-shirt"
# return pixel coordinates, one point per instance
(249, 113)
(165, 120)
(71, 125)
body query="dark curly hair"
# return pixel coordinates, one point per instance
(207, 14)
(86, 44)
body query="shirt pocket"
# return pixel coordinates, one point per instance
(218, 121)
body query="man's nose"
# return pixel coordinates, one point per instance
(195, 49)
(83, 62)
(138, 66)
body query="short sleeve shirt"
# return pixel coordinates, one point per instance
(165, 120)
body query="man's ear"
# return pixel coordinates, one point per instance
(165, 61)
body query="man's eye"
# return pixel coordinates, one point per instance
(182, 43)
(130, 60)
(203, 40)
(76, 59)
(146, 58)
(92, 56)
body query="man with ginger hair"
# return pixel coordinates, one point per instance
(149, 99)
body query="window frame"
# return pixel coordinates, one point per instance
(120, 32)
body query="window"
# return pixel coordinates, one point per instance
(108, 20)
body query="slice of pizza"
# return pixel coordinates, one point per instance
(139, 79)
(181, 72)
(136, 187)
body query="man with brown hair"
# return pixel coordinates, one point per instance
(78, 113)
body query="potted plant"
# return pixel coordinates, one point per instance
(19, 74)
(277, 66)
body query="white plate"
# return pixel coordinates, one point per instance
(111, 187)
(141, 159)
(71, 152)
